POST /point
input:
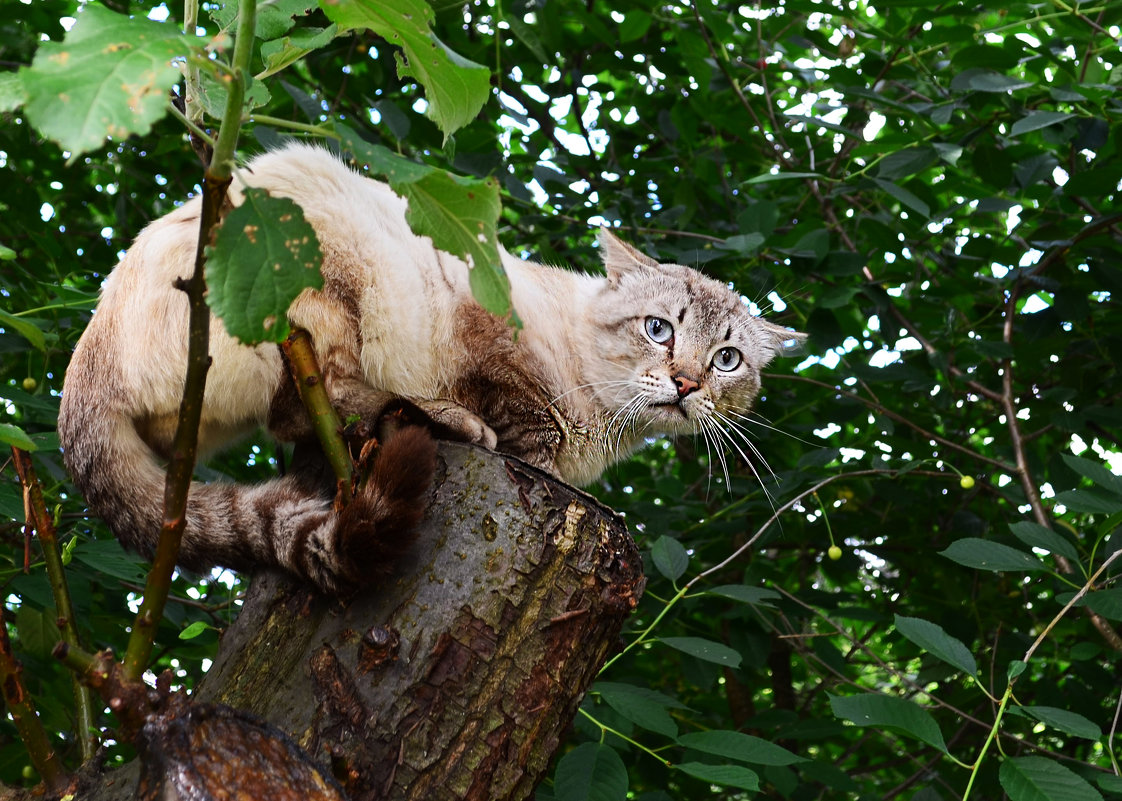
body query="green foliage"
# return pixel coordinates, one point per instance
(931, 191)
(271, 236)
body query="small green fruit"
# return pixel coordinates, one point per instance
(835, 553)
(29, 384)
(966, 482)
(28, 772)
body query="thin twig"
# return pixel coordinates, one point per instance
(35, 511)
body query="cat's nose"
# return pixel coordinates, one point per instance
(685, 385)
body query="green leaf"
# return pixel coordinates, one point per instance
(1015, 669)
(109, 558)
(904, 196)
(15, 437)
(670, 557)
(986, 80)
(263, 256)
(724, 775)
(38, 632)
(737, 745)
(906, 162)
(1035, 778)
(705, 649)
(1107, 603)
(29, 331)
(986, 555)
(932, 638)
(1035, 120)
(194, 630)
(287, 50)
(455, 87)
(744, 244)
(640, 705)
(1095, 472)
(590, 772)
(1068, 722)
(460, 216)
(12, 94)
(896, 714)
(749, 595)
(768, 178)
(1037, 536)
(109, 77)
(1090, 501)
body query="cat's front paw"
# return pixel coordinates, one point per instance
(459, 423)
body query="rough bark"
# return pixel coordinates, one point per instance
(457, 678)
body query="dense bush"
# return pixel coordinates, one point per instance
(931, 191)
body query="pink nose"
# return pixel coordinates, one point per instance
(685, 385)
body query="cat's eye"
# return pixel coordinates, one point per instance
(727, 359)
(659, 330)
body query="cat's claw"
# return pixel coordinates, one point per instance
(460, 422)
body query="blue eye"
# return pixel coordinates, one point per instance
(659, 330)
(727, 359)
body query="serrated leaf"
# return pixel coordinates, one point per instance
(109, 77)
(706, 650)
(590, 772)
(38, 632)
(29, 331)
(455, 87)
(1107, 603)
(740, 746)
(264, 254)
(15, 437)
(670, 557)
(460, 215)
(1097, 473)
(1035, 778)
(1069, 722)
(749, 595)
(1037, 536)
(725, 775)
(932, 638)
(897, 714)
(986, 555)
(640, 705)
(1035, 120)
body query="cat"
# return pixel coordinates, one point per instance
(601, 364)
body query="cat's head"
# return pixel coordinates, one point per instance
(675, 351)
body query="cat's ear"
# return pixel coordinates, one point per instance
(620, 257)
(781, 341)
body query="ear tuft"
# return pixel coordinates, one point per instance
(619, 257)
(782, 341)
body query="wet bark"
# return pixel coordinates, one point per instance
(458, 678)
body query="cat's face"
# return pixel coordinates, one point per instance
(676, 352)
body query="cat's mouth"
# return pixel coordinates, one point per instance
(673, 406)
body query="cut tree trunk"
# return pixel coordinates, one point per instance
(457, 677)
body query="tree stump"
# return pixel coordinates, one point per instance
(457, 677)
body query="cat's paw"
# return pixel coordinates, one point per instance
(379, 523)
(460, 423)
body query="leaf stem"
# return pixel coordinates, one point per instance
(310, 387)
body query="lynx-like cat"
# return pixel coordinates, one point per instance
(601, 363)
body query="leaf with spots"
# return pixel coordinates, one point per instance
(263, 256)
(455, 87)
(109, 77)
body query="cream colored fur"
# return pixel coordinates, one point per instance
(581, 386)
